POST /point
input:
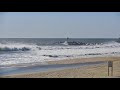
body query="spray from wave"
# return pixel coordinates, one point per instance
(17, 47)
(32, 53)
(33, 47)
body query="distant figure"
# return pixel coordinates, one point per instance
(67, 39)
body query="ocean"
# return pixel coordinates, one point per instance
(16, 51)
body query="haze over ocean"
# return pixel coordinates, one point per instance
(59, 24)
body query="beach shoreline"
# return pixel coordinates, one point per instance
(83, 60)
(82, 72)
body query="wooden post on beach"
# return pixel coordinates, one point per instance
(112, 69)
(108, 70)
(110, 64)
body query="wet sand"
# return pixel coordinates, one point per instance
(95, 71)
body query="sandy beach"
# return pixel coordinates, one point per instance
(59, 45)
(83, 60)
(97, 71)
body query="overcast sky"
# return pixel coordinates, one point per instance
(59, 25)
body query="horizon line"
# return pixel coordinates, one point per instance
(54, 37)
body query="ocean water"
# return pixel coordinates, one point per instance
(16, 51)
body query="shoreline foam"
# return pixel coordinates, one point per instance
(84, 72)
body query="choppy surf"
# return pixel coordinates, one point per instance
(36, 51)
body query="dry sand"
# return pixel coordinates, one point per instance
(83, 60)
(99, 71)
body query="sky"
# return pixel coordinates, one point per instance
(59, 24)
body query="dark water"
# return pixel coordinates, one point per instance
(55, 41)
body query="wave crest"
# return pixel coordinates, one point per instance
(16, 47)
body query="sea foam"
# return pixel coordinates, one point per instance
(40, 53)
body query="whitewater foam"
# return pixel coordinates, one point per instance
(16, 47)
(38, 54)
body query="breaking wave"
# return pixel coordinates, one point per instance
(32, 53)
(16, 47)
(28, 47)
